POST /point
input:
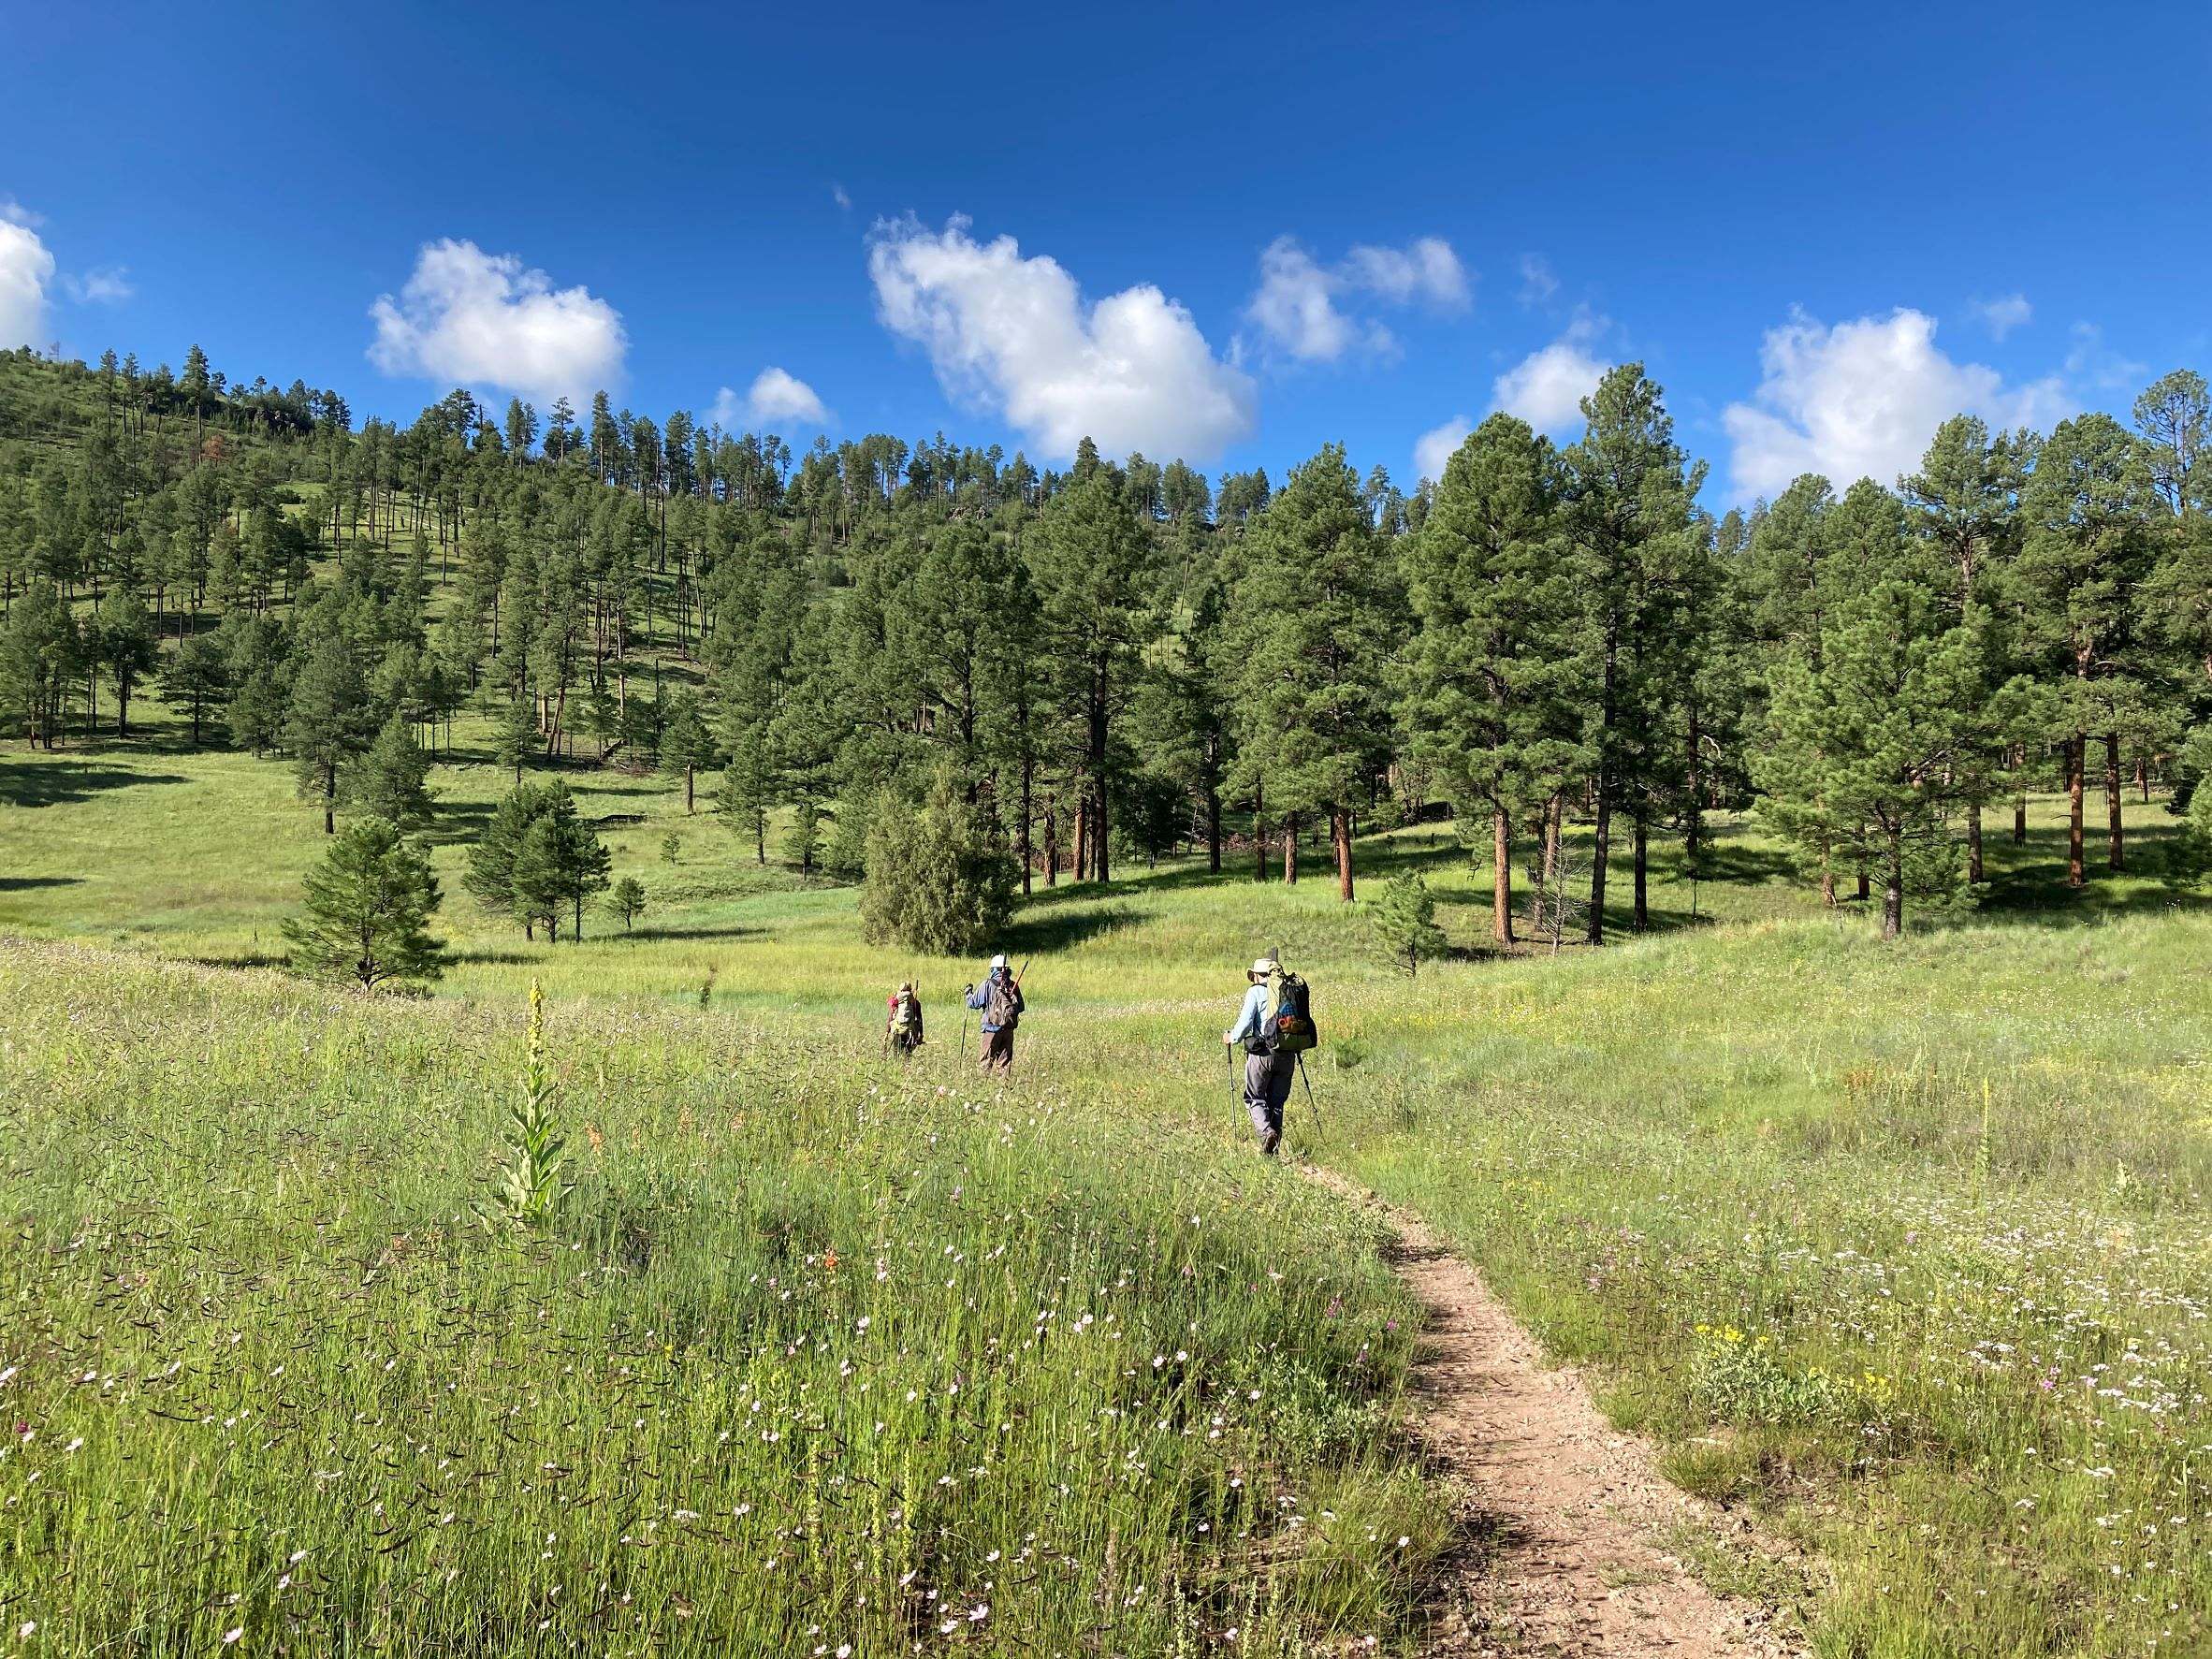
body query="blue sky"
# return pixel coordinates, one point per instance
(1234, 233)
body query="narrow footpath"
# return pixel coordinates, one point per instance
(1570, 1511)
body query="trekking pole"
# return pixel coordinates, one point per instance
(1309, 1093)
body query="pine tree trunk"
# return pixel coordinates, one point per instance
(1097, 735)
(2076, 758)
(1641, 914)
(1258, 834)
(1554, 822)
(1213, 830)
(1693, 802)
(1974, 841)
(1600, 845)
(2020, 821)
(1501, 891)
(1083, 836)
(1028, 817)
(1340, 831)
(2142, 777)
(2112, 797)
(1893, 892)
(1291, 850)
(1051, 841)
(1866, 888)
(691, 788)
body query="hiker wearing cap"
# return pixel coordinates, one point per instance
(902, 1029)
(1267, 1074)
(999, 999)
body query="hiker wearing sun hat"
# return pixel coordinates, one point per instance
(1267, 1074)
(999, 998)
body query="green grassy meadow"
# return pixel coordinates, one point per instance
(1902, 1249)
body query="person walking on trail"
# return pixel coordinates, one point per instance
(902, 1026)
(999, 999)
(1267, 1074)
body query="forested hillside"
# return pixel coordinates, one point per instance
(1117, 660)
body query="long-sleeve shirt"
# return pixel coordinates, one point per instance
(980, 998)
(1251, 1027)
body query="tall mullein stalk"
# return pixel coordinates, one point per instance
(527, 1187)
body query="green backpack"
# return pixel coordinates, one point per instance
(1294, 1032)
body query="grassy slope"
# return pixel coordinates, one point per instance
(1940, 1208)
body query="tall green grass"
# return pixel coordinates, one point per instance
(1903, 1245)
(815, 1354)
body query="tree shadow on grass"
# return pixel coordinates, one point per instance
(63, 783)
(2028, 884)
(243, 959)
(650, 934)
(1060, 929)
(23, 883)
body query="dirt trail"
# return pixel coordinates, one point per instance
(1570, 1507)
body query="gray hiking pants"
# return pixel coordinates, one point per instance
(1267, 1087)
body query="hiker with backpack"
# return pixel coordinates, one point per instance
(999, 1000)
(1267, 1074)
(902, 1030)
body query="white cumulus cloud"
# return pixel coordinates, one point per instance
(2004, 314)
(1433, 448)
(1425, 269)
(485, 319)
(776, 398)
(104, 285)
(26, 271)
(1861, 400)
(1298, 304)
(1015, 334)
(1545, 388)
(1295, 306)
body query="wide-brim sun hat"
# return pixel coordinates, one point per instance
(1263, 968)
(998, 962)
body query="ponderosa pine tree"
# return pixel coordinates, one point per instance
(1496, 693)
(489, 872)
(1865, 734)
(514, 732)
(391, 779)
(1179, 718)
(368, 908)
(2087, 553)
(196, 682)
(1405, 922)
(1092, 562)
(1965, 504)
(687, 744)
(328, 721)
(946, 638)
(121, 636)
(538, 857)
(626, 901)
(1315, 620)
(1632, 521)
(38, 655)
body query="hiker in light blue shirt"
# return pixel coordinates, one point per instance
(1267, 1074)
